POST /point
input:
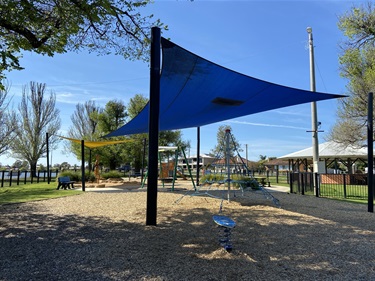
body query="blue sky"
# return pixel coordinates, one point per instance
(262, 39)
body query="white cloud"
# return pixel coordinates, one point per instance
(266, 125)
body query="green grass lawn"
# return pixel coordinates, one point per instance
(33, 192)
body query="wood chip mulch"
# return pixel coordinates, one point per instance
(103, 236)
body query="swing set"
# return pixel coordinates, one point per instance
(168, 171)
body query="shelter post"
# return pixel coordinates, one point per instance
(153, 129)
(370, 153)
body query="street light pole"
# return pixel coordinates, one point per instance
(314, 119)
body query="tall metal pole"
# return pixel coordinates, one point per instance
(247, 161)
(370, 154)
(83, 164)
(143, 159)
(227, 159)
(47, 147)
(198, 151)
(314, 118)
(153, 124)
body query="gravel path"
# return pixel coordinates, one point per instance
(103, 236)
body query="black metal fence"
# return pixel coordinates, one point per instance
(347, 186)
(14, 178)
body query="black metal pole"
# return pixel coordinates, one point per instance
(83, 164)
(198, 151)
(143, 159)
(370, 153)
(47, 147)
(153, 130)
(90, 161)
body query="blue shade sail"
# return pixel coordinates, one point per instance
(196, 92)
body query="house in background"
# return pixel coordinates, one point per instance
(204, 160)
(212, 163)
(276, 166)
(237, 164)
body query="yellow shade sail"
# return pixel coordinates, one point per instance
(94, 144)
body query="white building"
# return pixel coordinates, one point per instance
(204, 160)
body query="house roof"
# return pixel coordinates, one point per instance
(202, 155)
(276, 162)
(235, 160)
(329, 150)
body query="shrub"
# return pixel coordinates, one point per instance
(112, 174)
(248, 182)
(212, 177)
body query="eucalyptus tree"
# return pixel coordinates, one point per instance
(7, 121)
(111, 118)
(357, 66)
(221, 147)
(48, 27)
(135, 148)
(37, 115)
(84, 127)
(84, 124)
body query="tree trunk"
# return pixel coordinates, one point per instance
(33, 168)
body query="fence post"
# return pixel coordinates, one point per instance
(18, 177)
(2, 178)
(344, 184)
(277, 174)
(290, 175)
(317, 181)
(10, 177)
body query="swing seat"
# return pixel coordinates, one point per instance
(167, 180)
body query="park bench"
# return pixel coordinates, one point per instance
(65, 183)
(263, 182)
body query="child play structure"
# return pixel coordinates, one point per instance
(168, 171)
(231, 185)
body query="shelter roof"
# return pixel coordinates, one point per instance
(329, 150)
(195, 92)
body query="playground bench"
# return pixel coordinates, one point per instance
(65, 183)
(263, 182)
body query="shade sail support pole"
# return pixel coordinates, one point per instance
(83, 164)
(370, 154)
(198, 152)
(227, 159)
(153, 133)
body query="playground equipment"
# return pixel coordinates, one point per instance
(229, 182)
(168, 171)
(225, 225)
